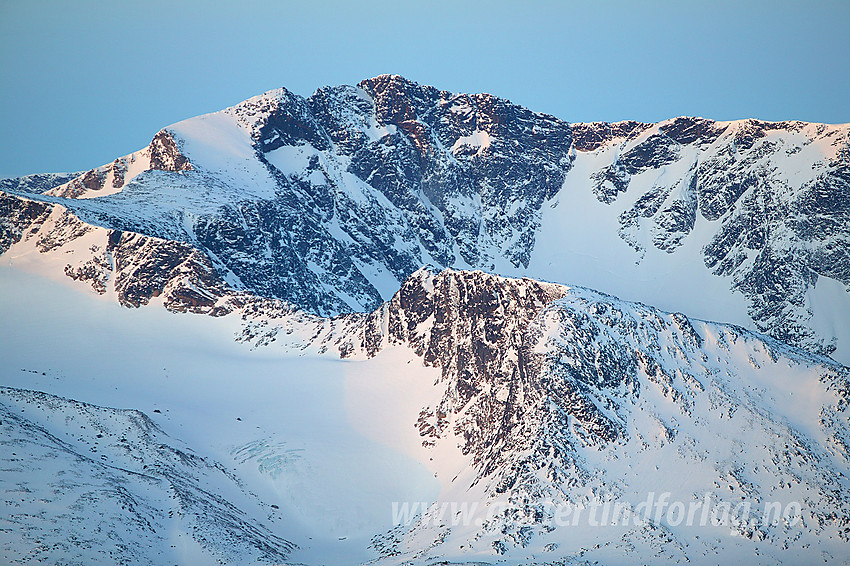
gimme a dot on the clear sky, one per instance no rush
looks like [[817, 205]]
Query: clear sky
[[86, 81]]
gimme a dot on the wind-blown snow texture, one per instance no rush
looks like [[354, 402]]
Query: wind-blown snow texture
[[86, 484], [330, 202]]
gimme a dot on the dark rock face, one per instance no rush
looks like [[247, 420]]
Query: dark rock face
[[687, 130], [481, 331], [140, 267], [777, 242], [654, 152], [18, 216], [146, 268], [266, 243], [165, 153], [449, 149], [822, 217], [677, 219], [592, 136]]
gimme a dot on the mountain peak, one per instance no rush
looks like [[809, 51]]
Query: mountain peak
[[391, 82]]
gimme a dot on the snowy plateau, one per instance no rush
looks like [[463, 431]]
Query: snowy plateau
[[388, 324]]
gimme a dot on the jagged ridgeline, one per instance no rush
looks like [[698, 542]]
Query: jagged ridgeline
[[329, 202]]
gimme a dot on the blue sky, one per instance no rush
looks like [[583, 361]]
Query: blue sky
[[86, 81]]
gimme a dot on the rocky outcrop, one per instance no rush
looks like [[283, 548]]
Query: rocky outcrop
[[18, 216], [562, 396], [165, 154], [136, 268], [38, 183]]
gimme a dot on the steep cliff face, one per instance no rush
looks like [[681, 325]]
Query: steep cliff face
[[329, 202], [135, 268], [754, 186], [561, 396], [472, 326]]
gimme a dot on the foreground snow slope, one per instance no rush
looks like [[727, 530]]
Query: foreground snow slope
[[329, 202], [100, 485], [247, 430]]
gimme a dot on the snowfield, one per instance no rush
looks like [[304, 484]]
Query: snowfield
[[283, 423]]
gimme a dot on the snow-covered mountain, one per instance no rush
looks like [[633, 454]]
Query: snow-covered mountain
[[329, 202], [561, 397], [488, 385]]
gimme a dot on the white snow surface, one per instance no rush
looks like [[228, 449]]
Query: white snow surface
[[290, 425]]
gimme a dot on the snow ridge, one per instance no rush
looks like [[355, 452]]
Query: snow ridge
[[114, 475]]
